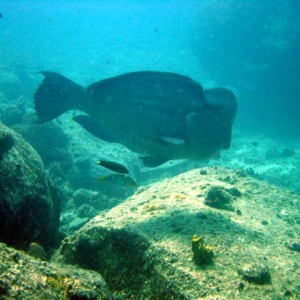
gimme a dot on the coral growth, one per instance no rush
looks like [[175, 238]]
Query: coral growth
[[218, 197], [29, 204], [256, 273], [37, 251], [202, 254]]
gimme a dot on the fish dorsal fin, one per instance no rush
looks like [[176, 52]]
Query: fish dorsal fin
[[93, 127]]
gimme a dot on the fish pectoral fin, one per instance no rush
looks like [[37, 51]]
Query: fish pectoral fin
[[153, 161], [201, 134], [197, 127], [173, 140], [93, 127]]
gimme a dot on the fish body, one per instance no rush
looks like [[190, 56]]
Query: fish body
[[113, 166], [119, 180], [159, 114]]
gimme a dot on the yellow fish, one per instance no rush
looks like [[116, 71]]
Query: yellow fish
[[118, 179]]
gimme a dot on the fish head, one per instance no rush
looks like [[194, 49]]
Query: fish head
[[223, 105], [209, 129]]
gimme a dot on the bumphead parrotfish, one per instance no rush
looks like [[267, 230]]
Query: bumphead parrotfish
[[156, 114]]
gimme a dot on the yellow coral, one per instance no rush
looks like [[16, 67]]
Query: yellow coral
[[202, 254], [152, 207], [179, 196]]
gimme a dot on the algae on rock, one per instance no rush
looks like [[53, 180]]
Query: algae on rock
[[29, 204], [142, 247], [202, 254]]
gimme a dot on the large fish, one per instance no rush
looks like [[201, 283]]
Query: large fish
[[158, 114]]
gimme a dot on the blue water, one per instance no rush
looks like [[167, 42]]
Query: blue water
[[250, 46], [102, 38]]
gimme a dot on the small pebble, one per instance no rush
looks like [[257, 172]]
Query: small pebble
[[287, 293], [3, 288], [235, 192], [294, 245], [241, 286], [256, 273]]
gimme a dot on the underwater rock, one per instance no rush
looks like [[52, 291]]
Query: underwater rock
[[13, 113], [256, 273], [126, 255], [285, 153], [6, 142], [218, 197], [142, 247], [25, 277], [11, 86], [29, 205], [84, 196], [37, 251], [87, 211], [276, 153], [95, 199], [294, 245], [51, 142]]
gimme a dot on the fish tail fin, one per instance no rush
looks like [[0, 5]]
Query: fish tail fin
[[56, 95]]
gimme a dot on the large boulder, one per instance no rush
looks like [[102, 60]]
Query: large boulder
[[27, 278], [212, 233], [29, 205]]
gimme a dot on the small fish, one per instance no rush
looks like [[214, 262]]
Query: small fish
[[118, 179], [113, 166], [1, 16]]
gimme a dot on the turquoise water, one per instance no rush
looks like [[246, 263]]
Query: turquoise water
[[249, 46]]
